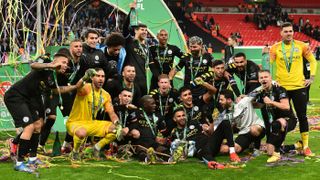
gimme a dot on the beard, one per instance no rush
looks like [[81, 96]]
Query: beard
[[195, 52], [129, 79], [98, 84], [182, 123], [240, 68]]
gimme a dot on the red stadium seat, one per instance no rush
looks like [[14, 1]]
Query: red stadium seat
[[220, 3], [314, 19], [299, 3], [251, 36]]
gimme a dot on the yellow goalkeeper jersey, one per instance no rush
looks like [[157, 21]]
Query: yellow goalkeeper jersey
[[88, 102], [289, 63]]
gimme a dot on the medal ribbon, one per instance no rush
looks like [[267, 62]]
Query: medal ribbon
[[288, 62]]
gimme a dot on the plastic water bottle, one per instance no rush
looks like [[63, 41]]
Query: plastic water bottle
[[56, 148], [133, 18]]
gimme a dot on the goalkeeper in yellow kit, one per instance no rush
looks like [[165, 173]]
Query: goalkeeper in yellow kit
[[82, 121], [288, 55]]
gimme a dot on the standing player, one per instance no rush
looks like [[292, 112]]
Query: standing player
[[246, 70], [163, 56], [288, 56], [91, 57], [229, 49], [115, 54], [127, 81], [138, 53], [196, 64], [24, 102], [52, 102]]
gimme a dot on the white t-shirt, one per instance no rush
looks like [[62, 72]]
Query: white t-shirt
[[243, 116]]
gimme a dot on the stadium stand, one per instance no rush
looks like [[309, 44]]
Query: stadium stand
[[221, 3], [299, 3], [250, 34]]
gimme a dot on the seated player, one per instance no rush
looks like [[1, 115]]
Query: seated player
[[166, 98], [145, 129], [125, 111], [244, 118], [185, 140]]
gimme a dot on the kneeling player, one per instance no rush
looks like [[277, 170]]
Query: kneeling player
[[145, 129], [277, 114], [82, 120]]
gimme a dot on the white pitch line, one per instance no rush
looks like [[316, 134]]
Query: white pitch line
[[315, 99]]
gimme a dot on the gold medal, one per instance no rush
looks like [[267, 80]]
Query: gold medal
[[61, 107]]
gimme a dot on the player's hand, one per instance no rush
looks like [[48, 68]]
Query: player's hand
[[172, 73], [198, 81], [205, 127], [227, 75], [125, 131], [89, 74], [131, 106], [55, 65], [308, 82], [133, 4], [283, 123], [59, 65], [267, 101], [135, 134], [161, 140], [80, 83]]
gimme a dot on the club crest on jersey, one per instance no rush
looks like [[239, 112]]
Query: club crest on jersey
[[205, 61], [25, 119], [156, 119], [42, 85], [272, 98], [169, 51], [48, 110]]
